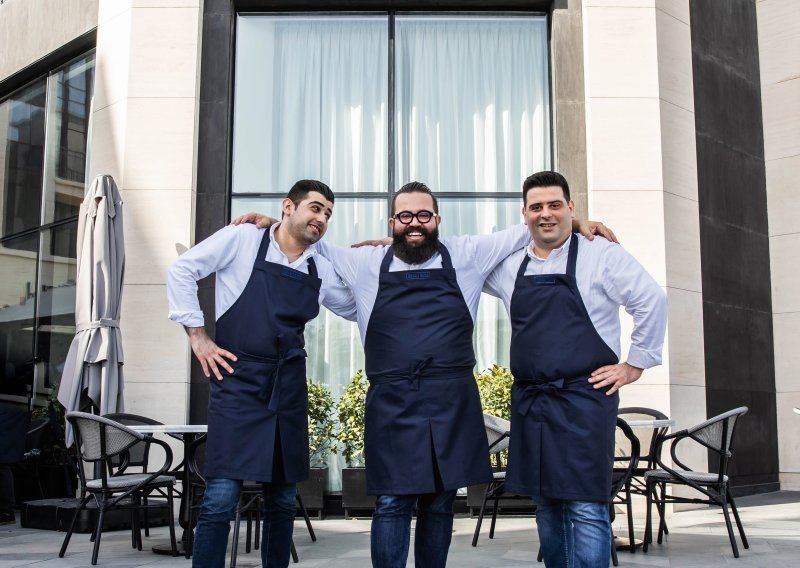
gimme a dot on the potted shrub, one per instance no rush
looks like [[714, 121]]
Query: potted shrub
[[494, 387], [350, 436], [321, 421]]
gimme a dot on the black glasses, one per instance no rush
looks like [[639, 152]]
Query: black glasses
[[423, 216]]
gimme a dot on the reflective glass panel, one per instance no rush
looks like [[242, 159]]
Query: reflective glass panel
[[22, 133], [310, 101], [56, 313], [69, 113], [17, 303], [472, 101]]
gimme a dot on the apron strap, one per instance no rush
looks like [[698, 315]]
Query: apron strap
[[523, 266], [573, 255], [261, 256], [312, 267]]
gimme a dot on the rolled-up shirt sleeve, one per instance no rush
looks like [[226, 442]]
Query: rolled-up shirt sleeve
[[211, 255], [628, 283]]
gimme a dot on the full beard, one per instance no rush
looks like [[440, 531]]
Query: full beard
[[418, 253]]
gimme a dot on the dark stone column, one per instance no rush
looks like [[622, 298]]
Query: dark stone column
[[734, 242]]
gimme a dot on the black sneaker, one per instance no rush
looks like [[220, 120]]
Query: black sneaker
[[7, 518]]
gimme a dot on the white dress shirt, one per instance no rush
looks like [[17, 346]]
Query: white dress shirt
[[231, 253], [608, 277], [473, 256]]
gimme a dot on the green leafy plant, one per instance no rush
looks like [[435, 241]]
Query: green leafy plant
[[321, 422], [350, 412], [494, 386]]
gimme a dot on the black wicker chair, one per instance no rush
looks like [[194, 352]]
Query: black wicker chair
[[626, 461], [498, 432], [99, 440], [715, 434]]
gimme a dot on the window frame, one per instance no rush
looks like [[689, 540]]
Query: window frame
[[391, 15]]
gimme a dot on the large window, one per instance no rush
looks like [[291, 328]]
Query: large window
[[43, 143], [368, 103]]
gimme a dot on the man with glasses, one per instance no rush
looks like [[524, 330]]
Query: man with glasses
[[563, 294], [424, 437]]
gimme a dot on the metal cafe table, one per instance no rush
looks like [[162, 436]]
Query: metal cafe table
[[187, 433]]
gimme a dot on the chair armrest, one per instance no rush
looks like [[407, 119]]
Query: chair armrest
[[151, 477]]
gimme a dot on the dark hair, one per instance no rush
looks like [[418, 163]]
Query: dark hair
[[544, 179], [302, 188], [415, 187]]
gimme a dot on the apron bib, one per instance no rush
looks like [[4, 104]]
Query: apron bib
[[424, 427]]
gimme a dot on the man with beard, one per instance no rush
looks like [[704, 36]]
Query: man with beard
[[258, 404], [563, 294], [424, 437]]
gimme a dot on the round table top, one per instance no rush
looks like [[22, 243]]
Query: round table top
[[651, 423], [171, 428]]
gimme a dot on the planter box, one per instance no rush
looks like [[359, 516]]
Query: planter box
[[509, 502], [312, 491], [354, 491]]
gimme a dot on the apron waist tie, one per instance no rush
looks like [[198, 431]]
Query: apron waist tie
[[531, 389], [290, 355], [420, 370]]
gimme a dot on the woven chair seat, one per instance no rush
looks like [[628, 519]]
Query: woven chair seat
[[696, 476], [122, 482]]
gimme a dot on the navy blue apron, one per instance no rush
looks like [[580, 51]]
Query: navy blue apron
[[258, 416], [562, 429], [424, 427]]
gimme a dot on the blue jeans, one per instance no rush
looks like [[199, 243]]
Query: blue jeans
[[573, 534], [219, 507], [391, 529]]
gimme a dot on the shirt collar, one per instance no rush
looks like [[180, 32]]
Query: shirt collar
[[310, 251], [555, 253]]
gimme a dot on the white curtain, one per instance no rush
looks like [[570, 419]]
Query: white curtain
[[472, 101], [310, 101]]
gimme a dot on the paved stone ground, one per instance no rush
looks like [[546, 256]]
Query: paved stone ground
[[697, 539]]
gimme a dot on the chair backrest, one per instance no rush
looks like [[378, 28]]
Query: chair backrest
[[14, 423], [716, 433], [138, 454], [626, 456], [100, 438], [647, 436], [497, 432]]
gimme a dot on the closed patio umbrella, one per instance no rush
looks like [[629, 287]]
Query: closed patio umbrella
[[94, 363]]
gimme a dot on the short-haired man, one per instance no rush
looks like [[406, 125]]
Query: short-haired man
[[269, 284], [563, 294], [424, 437]]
